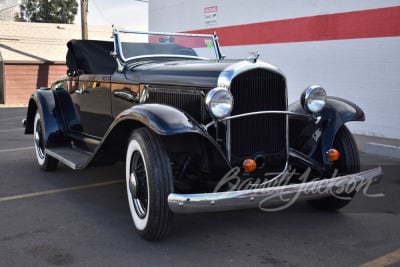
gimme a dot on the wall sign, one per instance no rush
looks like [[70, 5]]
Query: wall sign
[[210, 15]]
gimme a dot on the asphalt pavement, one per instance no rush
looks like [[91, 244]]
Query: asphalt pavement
[[71, 218]]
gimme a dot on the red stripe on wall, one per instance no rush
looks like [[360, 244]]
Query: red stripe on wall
[[382, 22]]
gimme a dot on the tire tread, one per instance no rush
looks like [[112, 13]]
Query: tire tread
[[162, 170], [345, 143]]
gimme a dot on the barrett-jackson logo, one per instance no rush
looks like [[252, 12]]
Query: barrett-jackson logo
[[278, 185]]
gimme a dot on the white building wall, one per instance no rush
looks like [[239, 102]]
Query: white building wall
[[8, 9], [364, 70], [189, 15]]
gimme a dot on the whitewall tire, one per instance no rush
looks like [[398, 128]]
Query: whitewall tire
[[45, 162], [148, 183]]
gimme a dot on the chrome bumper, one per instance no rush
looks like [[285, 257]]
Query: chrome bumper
[[271, 196]]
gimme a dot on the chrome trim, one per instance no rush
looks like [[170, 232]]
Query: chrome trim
[[117, 51], [145, 95], [218, 51], [228, 141], [167, 33], [270, 196], [226, 76], [266, 112], [307, 93], [306, 116], [165, 56], [206, 126], [224, 80], [209, 97], [253, 56], [121, 59], [120, 65]]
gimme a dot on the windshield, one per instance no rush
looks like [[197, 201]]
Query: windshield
[[132, 45]]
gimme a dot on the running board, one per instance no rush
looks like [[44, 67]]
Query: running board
[[72, 157]]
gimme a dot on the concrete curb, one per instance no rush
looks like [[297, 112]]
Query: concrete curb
[[382, 150], [378, 146], [14, 106]]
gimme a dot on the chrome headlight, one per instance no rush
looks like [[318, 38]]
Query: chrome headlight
[[219, 102], [313, 99]]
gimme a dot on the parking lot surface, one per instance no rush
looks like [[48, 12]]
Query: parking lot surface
[[70, 218]]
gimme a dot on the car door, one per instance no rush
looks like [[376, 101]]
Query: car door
[[92, 100]]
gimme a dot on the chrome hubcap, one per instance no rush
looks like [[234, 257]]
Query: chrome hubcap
[[38, 139], [132, 185]]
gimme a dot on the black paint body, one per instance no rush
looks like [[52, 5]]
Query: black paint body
[[96, 113]]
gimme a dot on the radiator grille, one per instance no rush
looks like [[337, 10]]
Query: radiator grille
[[258, 90]]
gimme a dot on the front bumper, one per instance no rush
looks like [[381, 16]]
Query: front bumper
[[279, 196]]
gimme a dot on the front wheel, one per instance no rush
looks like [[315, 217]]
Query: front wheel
[[348, 163], [148, 183], [45, 161]]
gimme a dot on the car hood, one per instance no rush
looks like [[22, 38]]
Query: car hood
[[199, 73]]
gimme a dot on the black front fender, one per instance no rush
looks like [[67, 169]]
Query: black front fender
[[346, 110], [175, 126], [339, 111], [336, 113], [162, 119]]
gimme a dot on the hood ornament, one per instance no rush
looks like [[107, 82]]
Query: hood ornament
[[253, 56]]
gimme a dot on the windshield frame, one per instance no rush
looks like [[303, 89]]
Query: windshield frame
[[122, 60]]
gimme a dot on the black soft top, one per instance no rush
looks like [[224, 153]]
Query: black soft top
[[93, 57], [90, 57]]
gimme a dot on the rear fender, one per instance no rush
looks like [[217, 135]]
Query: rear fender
[[43, 100], [64, 104]]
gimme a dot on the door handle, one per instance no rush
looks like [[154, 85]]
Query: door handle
[[82, 91]]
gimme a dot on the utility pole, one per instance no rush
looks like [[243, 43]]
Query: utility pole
[[84, 10]]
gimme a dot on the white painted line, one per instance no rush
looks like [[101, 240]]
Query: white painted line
[[385, 260], [10, 130], [54, 191], [9, 119], [16, 149], [382, 150]]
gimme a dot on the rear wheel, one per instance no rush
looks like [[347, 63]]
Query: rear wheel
[[148, 183], [45, 161], [348, 163]]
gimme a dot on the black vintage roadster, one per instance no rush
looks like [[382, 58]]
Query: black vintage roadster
[[198, 132]]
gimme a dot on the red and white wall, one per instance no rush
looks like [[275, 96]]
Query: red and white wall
[[350, 47]]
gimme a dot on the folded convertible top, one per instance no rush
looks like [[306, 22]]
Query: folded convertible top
[[94, 57], [90, 57]]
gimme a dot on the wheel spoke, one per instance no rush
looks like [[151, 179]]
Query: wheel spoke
[[141, 195], [146, 189]]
